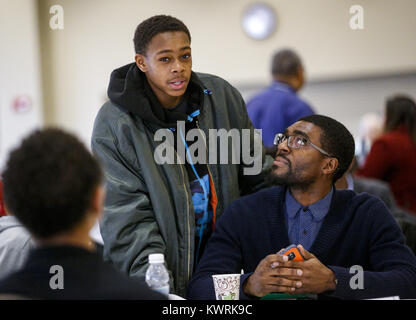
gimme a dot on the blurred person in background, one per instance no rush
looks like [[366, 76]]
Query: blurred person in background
[[278, 106], [53, 185], [15, 241], [392, 157], [2, 210], [372, 186], [381, 189], [15, 245], [370, 128]]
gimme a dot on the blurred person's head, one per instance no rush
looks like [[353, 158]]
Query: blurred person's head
[[53, 185], [2, 209], [319, 153], [163, 52], [370, 127], [401, 110], [287, 67], [342, 182]]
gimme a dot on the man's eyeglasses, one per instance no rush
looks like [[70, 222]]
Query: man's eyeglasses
[[297, 141]]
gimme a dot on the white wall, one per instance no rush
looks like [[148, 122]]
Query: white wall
[[348, 99], [97, 38], [19, 71]]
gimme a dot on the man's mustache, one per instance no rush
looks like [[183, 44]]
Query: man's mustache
[[283, 157]]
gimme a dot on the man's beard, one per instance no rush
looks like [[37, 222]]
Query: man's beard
[[292, 178]]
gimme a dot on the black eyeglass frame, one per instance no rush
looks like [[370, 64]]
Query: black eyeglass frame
[[281, 137]]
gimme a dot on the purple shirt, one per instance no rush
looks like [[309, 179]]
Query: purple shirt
[[275, 109]]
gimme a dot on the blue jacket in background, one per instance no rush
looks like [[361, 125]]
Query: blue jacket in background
[[275, 109], [358, 230]]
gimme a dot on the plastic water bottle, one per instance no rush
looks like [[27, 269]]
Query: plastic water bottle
[[157, 276]]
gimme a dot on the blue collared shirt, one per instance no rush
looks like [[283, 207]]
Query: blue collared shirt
[[275, 109], [303, 223]]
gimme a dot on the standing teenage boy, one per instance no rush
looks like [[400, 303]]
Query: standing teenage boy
[[158, 207]]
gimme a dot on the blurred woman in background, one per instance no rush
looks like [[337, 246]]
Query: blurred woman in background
[[392, 157], [2, 209]]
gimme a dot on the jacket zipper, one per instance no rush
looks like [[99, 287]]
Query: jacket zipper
[[206, 148], [188, 220]]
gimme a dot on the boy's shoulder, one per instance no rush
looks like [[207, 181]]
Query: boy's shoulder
[[212, 81]]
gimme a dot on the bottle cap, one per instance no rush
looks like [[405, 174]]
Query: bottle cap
[[156, 258]]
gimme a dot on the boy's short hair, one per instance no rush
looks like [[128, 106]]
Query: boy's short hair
[[152, 26], [49, 181]]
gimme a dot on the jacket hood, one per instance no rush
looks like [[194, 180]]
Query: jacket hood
[[130, 90], [8, 222]]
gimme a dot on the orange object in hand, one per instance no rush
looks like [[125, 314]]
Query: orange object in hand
[[293, 253]]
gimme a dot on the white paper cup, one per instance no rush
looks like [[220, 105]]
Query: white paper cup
[[227, 286]]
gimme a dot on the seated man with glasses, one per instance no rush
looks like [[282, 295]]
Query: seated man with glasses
[[352, 248]]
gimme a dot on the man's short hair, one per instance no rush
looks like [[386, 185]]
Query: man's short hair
[[286, 63], [152, 26], [336, 140], [49, 182]]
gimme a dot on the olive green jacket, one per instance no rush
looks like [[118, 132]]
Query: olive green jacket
[[148, 207]]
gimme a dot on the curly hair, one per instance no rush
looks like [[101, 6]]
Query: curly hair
[[336, 140], [49, 181], [152, 26]]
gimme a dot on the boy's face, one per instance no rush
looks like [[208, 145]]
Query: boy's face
[[167, 66]]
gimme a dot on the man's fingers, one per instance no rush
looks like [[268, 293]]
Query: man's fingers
[[279, 258], [283, 282], [279, 289], [286, 272], [283, 285], [306, 254], [285, 263], [274, 260]]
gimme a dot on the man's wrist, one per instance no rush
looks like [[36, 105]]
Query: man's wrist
[[246, 287], [332, 281]]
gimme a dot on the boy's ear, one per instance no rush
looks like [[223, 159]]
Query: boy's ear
[[140, 62]]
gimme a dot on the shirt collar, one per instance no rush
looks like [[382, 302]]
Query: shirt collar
[[282, 86], [292, 206], [318, 209]]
